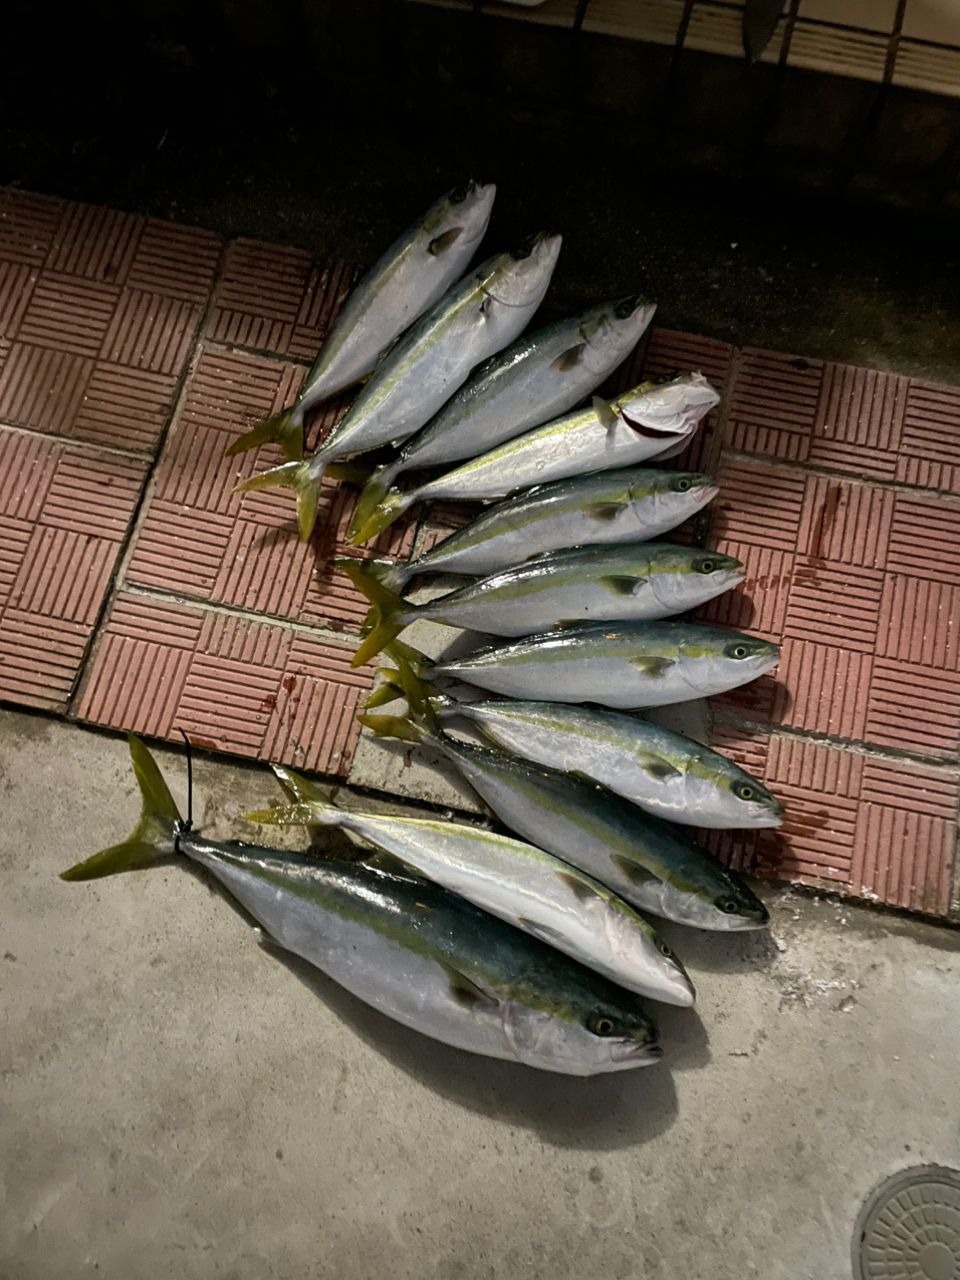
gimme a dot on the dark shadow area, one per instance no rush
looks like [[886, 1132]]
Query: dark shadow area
[[624, 1108], [709, 183]]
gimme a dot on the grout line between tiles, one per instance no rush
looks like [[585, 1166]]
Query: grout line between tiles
[[118, 451], [343, 640], [852, 477], [856, 746], [146, 489]]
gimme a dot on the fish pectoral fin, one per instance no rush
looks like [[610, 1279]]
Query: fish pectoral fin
[[391, 865], [578, 887], [569, 359], [634, 871], [623, 584], [439, 244], [603, 411], [605, 512], [466, 992], [656, 766], [541, 931], [651, 666]]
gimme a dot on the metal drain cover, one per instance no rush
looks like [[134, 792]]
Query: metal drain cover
[[910, 1227]]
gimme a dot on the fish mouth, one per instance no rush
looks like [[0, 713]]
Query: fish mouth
[[635, 1051]]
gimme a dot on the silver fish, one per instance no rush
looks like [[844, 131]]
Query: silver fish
[[632, 504], [416, 952], [407, 280], [620, 664], [538, 378], [658, 770], [515, 881], [644, 580], [640, 424], [474, 319], [648, 862]]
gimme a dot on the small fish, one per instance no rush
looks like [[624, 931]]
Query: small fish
[[648, 862], [662, 772], [411, 949], [412, 275], [642, 423], [515, 881], [473, 320], [644, 580], [624, 665], [538, 378], [632, 504]]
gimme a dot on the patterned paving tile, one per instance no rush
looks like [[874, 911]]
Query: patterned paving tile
[[98, 310], [231, 683], [64, 514]]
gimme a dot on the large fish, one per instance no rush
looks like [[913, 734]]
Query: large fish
[[615, 664], [638, 425], [412, 275], [411, 949], [654, 866], [640, 581], [541, 376], [515, 881], [473, 320], [633, 504], [661, 771]]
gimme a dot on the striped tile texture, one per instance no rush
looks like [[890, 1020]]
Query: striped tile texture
[[138, 591]]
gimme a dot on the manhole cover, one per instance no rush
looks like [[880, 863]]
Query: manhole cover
[[910, 1227]]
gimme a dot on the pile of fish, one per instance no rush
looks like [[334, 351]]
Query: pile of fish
[[535, 949]]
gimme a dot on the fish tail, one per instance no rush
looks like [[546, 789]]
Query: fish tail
[[401, 727], [389, 508], [390, 611], [284, 428], [423, 706], [153, 838], [374, 491], [304, 477], [388, 690]]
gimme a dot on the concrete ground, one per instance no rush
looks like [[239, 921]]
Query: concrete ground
[[176, 1101]]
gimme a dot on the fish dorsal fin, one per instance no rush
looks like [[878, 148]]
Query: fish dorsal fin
[[569, 359], [605, 512], [603, 411], [439, 244], [651, 666], [623, 584], [466, 992]]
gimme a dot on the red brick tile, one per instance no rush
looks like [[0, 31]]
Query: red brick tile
[[260, 296], [127, 408], [200, 539], [326, 293], [913, 708], [759, 605], [43, 388], [95, 243], [834, 604], [174, 261], [823, 688], [924, 538], [931, 433], [772, 406], [63, 515], [859, 421], [920, 622], [16, 286], [68, 314], [759, 504], [846, 521], [150, 331], [28, 223], [233, 684]]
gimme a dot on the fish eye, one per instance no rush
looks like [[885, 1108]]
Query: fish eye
[[745, 791], [706, 566], [737, 651], [729, 906], [626, 307], [681, 485], [665, 951], [602, 1026]]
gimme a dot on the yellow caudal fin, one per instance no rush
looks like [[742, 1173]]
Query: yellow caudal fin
[[304, 478], [284, 428]]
